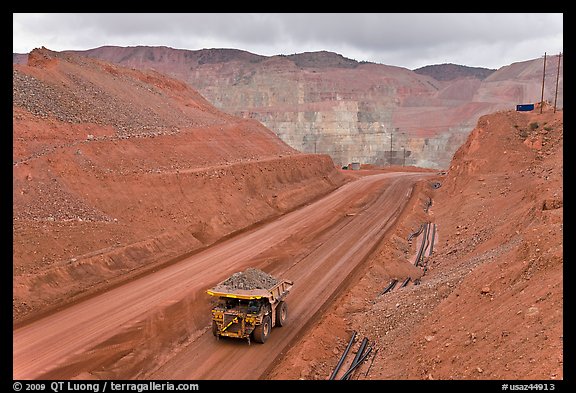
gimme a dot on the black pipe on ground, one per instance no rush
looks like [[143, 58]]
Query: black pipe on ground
[[389, 287], [421, 250], [354, 366], [337, 368], [418, 232], [426, 239], [358, 355], [405, 282], [433, 235]]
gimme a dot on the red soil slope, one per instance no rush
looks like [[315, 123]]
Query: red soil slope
[[490, 303], [117, 171]]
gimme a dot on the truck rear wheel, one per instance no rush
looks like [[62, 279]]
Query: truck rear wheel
[[281, 314], [262, 331]]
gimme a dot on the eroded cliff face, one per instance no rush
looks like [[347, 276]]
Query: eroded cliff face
[[321, 102]]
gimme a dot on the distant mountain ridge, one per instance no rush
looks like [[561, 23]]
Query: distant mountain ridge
[[449, 71], [323, 102], [323, 59]]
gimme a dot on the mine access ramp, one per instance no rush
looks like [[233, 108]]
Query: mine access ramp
[[249, 305]]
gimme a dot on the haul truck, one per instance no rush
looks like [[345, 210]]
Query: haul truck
[[243, 313]]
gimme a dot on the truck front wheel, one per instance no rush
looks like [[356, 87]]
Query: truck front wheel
[[262, 331], [281, 314], [215, 328]]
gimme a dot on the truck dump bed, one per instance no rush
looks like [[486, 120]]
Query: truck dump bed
[[277, 292]]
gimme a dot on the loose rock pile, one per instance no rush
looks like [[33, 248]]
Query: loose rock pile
[[83, 91], [251, 278]]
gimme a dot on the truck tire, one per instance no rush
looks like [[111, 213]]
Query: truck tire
[[262, 331], [281, 314], [214, 328]]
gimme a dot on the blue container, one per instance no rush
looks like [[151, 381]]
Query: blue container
[[525, 107]]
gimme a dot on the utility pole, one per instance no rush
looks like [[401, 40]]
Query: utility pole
[[557, 77], [391, 142], [543, 77], [391, 135], [404, 157], [404, 139]]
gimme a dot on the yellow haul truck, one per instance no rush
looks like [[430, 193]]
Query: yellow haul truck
[[245, 313]]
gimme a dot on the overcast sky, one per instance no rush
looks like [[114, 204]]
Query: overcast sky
[[404, 40]]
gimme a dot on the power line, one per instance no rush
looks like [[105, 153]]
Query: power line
[[543, 78], [557, 77]]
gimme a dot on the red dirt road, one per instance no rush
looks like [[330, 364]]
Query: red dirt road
[[317, 247]]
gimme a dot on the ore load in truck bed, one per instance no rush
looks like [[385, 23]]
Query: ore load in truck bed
[[249, 279]]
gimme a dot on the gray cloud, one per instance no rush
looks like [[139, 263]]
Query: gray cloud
[[405, 40]]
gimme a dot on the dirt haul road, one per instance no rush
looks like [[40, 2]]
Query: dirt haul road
[[317, 246]]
